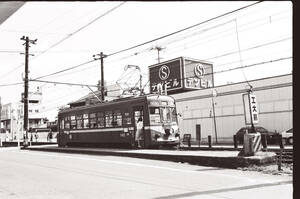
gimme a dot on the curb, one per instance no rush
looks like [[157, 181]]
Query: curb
[[231, 162]]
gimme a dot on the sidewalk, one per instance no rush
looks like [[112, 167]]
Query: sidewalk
[[216, 158]]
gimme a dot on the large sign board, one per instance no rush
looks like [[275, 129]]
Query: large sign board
[[180, 74], [197, 74], [166, 75]]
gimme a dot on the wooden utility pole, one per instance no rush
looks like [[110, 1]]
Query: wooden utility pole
[[158, 48], [25, 98], [101, 56]]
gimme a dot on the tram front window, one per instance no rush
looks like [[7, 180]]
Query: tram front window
[[154, 115], [162, 114]]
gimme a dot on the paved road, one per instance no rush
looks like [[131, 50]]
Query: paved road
[[39, 175]]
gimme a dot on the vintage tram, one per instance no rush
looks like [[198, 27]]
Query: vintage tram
[[114, 123]]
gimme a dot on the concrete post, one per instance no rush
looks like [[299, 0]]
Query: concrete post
[[209, 141]]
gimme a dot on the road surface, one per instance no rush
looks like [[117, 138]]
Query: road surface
[[39, 175]]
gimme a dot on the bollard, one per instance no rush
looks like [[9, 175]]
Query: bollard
[[235, 142], [280, 141], [0, 142], [189, 142], [281, 150], [264, 142], [209, 141], [279, 159]]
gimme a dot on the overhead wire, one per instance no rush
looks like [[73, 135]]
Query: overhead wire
[[73, 33], [198, 43], [227, 70], [173, 33], [211, 19]]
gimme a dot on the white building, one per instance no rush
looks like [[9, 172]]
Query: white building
[[12, 116], [275, 106]]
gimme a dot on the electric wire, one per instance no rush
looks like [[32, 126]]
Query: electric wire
[[71, 34], [227, 70], [176, 32], [162, 36]]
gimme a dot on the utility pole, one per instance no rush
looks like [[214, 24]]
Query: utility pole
[[25, 99], [214, 94], [158, 48], [101, 56]]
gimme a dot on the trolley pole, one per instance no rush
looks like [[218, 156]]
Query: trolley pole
[[101, 56], [25, 98]]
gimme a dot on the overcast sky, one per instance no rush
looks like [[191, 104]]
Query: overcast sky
[[70, 33]]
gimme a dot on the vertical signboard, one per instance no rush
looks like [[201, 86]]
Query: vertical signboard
[[167, 74], [250, 108], [253, 108]]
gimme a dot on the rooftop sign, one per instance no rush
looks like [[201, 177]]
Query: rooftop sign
[[180, 74]]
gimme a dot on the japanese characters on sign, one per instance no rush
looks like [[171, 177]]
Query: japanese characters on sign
[[180, 74], [253, 108], [197, 74], [166, 75]]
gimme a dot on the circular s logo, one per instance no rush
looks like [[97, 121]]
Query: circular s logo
[[199, 70], [164, 72]]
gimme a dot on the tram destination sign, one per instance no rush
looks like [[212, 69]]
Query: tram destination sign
[[180, 75]]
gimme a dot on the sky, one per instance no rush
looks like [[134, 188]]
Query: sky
[[259, 38]]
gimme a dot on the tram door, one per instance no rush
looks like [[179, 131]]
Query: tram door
[[139, 125]]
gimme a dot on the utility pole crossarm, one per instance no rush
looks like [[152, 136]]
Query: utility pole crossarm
[[101, 57]]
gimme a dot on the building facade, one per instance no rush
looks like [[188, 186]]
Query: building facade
[[275, 106], [12, 116]]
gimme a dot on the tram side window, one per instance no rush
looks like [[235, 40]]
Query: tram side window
[[79, 121], [62, 124], [117, 120], [67, 122], [86, 121], [126, 118], [108, 119], [100, 120], [93, 122], [73, 122]]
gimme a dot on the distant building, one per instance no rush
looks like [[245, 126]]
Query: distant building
[[12, 116]]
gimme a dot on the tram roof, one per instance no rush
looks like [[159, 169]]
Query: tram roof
[[117, 101]]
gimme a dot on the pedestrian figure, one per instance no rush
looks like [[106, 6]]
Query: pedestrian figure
[[139, 131], [49, 137], [36, 136]]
